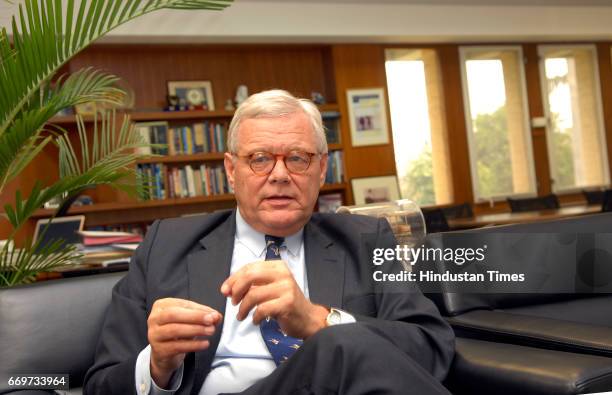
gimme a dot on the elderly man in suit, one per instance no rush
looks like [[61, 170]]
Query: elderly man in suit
[[269, 298]]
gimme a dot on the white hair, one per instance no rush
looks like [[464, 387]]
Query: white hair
[[276, 103]]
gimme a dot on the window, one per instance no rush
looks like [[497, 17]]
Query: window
[[419, 125], [499, 138], [574, 133]]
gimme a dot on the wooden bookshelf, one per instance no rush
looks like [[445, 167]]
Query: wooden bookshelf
[[300, 69], [113, 213], [158, 115], [339, 187], [120, 206], [183, 158]]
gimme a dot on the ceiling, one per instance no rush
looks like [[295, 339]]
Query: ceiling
[[551, 3]]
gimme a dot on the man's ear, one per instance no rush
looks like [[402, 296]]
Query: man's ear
[[228, 162], [323, 166]]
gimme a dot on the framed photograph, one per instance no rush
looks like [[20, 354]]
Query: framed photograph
[[329, 202], [367, 116], [375, 189], [198, 94], [85, 109]]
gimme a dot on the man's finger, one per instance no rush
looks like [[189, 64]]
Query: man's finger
[[177, 302], [255, 296], [182, 347], [244, 282], [180, 332], [228, 284], [185, 316], [271, 308]]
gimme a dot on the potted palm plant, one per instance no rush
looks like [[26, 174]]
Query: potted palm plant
[[45, 36]]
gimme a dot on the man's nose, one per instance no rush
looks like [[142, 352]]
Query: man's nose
[[279, 172]]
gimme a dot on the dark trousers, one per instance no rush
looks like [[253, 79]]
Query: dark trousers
[[348, 359]]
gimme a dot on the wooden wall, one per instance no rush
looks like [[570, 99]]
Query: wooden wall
[[363, 66], [301, 69]]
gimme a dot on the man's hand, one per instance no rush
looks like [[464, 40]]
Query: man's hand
[[176, 327], [269, 287]]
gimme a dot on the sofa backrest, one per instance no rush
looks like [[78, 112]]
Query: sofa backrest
[[569, 245], [53, 326]]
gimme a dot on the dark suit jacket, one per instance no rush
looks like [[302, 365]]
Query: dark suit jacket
[[190, 257]]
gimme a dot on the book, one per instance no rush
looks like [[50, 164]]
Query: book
[[160, 131], [331, 120], [103, 233], [145, 137], [190, 180], [198, 130], [98, 241], [171, 141]]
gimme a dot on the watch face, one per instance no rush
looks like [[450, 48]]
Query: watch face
[[195, 96], [334, 317]]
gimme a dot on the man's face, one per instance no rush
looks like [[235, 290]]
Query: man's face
[[281, 202]]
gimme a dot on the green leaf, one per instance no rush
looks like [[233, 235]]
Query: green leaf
[[36, 34], [43, 40]]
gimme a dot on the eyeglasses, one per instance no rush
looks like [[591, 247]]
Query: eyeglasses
[[262, 163]]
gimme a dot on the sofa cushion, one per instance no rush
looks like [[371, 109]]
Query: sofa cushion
[[535, 331], [482, 367], [53, 326], [562, 260], [587, 311]]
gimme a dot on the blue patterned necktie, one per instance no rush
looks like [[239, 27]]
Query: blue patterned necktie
[[280, 345]]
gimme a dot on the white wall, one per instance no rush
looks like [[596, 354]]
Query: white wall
[[292, 21]]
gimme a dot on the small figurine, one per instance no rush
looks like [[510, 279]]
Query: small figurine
[[242, 93], [229, 105], [173, 100], [317, 98]]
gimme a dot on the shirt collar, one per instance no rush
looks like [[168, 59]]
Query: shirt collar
[[256, 241]]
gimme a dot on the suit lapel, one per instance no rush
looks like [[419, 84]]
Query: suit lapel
[[209, 265], [324, 267]]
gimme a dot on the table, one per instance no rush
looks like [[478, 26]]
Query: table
[[525, 217]]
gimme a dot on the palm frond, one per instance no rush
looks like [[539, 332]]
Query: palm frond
[[21, 265], [107, 160], [44, 40], [20, 144], [45, 35]]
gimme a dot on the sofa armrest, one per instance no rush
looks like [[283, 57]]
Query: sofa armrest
[[533, 331], [482, 367]]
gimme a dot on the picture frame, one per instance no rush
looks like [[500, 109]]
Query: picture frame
[[86, 109], [197, 94], [367, 116], [375, 189]]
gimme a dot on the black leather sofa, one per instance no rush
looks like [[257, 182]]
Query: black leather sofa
[[535, 342], [508, 344]]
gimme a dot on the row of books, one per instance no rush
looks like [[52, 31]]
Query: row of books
[[335, 170], [180, 182], [201, 137]]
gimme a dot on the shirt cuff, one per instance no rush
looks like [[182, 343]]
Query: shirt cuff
[[145, 384]]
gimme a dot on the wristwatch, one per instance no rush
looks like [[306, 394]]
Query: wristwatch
[[337, 316]]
